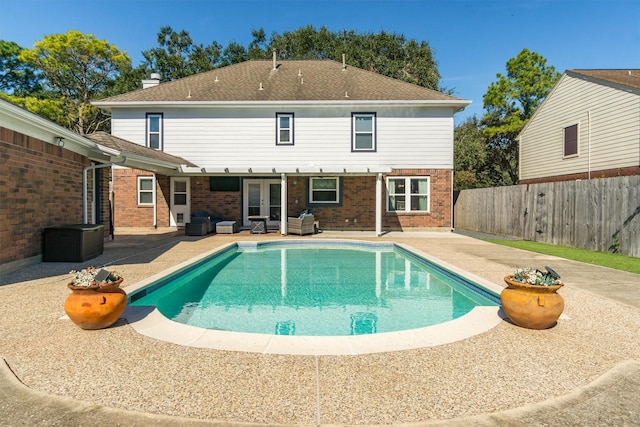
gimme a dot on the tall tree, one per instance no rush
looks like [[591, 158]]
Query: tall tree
[[177, 56], [78, 68], [17, 78], [509, 103], [469, 155]]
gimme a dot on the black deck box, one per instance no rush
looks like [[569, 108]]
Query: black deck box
[[73, 243]]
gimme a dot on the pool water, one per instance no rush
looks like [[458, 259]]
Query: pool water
[[313, 289]]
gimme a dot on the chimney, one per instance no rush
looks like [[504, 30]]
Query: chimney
[[154, 80]]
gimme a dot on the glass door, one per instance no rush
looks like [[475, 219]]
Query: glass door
[[180, 202], [262, 197]]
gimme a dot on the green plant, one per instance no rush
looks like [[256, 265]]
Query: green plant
[[533, 276]]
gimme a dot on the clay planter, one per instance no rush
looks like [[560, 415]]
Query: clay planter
[[532, 306], [95, 307]]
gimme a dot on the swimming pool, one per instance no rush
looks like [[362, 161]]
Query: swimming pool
[[313, 289]]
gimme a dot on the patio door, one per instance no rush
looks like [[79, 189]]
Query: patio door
[[180, 201], [262, 197]]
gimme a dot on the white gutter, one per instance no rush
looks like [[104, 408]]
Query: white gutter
[[589, 144]]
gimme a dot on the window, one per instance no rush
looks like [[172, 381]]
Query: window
[[154, 131], [284, 128], [363, 127], [145, 190], [571, 141], [324, 190], [408, 194]]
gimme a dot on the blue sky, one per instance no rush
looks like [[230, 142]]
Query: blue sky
[[472, 39]]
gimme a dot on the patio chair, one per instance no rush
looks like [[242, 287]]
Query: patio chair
[[301, 226]]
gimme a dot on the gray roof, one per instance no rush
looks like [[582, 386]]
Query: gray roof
[[627, 77], [131, 148], [296, 80]]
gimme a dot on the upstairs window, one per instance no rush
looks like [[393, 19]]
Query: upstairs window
[[408, 194], [145, 190], [154, 131], [284, 129], [324, 190], [571, 141], [363, 136]]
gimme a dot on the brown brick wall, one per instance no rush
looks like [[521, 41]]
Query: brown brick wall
[[359, 195], [607, 173], [40, 186]]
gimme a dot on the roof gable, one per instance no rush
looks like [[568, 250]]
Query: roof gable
[[296, 80], [626, 77]]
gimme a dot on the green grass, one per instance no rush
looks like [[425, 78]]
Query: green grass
[[619, 262]]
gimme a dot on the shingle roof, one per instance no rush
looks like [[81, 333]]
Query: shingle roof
[[296, 80], [128, 148], [627, 77]]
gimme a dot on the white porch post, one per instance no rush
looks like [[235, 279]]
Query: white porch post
[[283, 204], [379, 205]]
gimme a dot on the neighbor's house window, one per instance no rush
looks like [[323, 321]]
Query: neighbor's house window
[[154, 131], [324, 190], [284, 128], [408, 194], [145, 190], [571, 141], [363, 127]]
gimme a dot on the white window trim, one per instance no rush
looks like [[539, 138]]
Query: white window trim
[[354, 133], [160, 131], [407, 193], [152, 191], [278, 128], [337, 190]]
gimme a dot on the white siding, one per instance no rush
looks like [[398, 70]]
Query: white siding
[[612, 130], [242, 138]]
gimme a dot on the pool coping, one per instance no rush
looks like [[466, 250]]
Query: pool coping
[[148, 321]]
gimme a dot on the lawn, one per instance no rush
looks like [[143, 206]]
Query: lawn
[[619, 262]]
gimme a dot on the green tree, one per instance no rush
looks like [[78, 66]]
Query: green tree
[[469, 155], [77, 68], [509, 103], [17, 78], [177, 56]]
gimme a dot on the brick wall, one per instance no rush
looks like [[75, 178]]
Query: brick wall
[[40, 186], [358, 211], [607, 173]]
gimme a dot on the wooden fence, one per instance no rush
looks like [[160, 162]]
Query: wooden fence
[[599, 214]]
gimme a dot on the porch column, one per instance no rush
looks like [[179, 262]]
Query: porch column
[[283, 204], [379, 205]]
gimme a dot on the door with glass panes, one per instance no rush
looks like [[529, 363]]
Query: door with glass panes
[[261, 197], [180, 202]]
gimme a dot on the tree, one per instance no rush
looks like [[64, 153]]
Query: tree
[[510, 102], [17, 78], [77, 68], [469, 154], [177, 56]]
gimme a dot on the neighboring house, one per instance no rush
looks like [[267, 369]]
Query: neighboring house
[[587, 127], [363, 151], [44, 167]]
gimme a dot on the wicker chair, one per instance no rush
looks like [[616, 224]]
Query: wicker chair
[[300, 226]]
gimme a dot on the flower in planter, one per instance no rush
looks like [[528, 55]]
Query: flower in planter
[[91, 275], [533, 276]]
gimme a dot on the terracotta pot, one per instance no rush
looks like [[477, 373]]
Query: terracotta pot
[[531, 306], [96, 307]]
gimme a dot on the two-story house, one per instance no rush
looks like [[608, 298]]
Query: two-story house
[[587, 127], [272, 138]]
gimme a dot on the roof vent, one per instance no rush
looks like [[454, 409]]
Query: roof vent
[[155, 76], [261, 88], [344, 62], [275, 66]]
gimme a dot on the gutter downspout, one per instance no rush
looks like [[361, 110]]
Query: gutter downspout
[[589, 144], [155, 205], [84, 183]]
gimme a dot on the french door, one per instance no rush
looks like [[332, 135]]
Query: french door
[[262, 197]]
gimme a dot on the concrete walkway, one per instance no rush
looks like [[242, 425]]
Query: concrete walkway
[[606, 347]]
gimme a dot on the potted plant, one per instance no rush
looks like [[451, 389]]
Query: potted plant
[[531, 299], [96, 300]]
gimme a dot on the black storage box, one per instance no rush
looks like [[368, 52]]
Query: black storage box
[[73, 243]]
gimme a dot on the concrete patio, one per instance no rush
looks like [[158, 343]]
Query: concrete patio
[[583, 371]]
